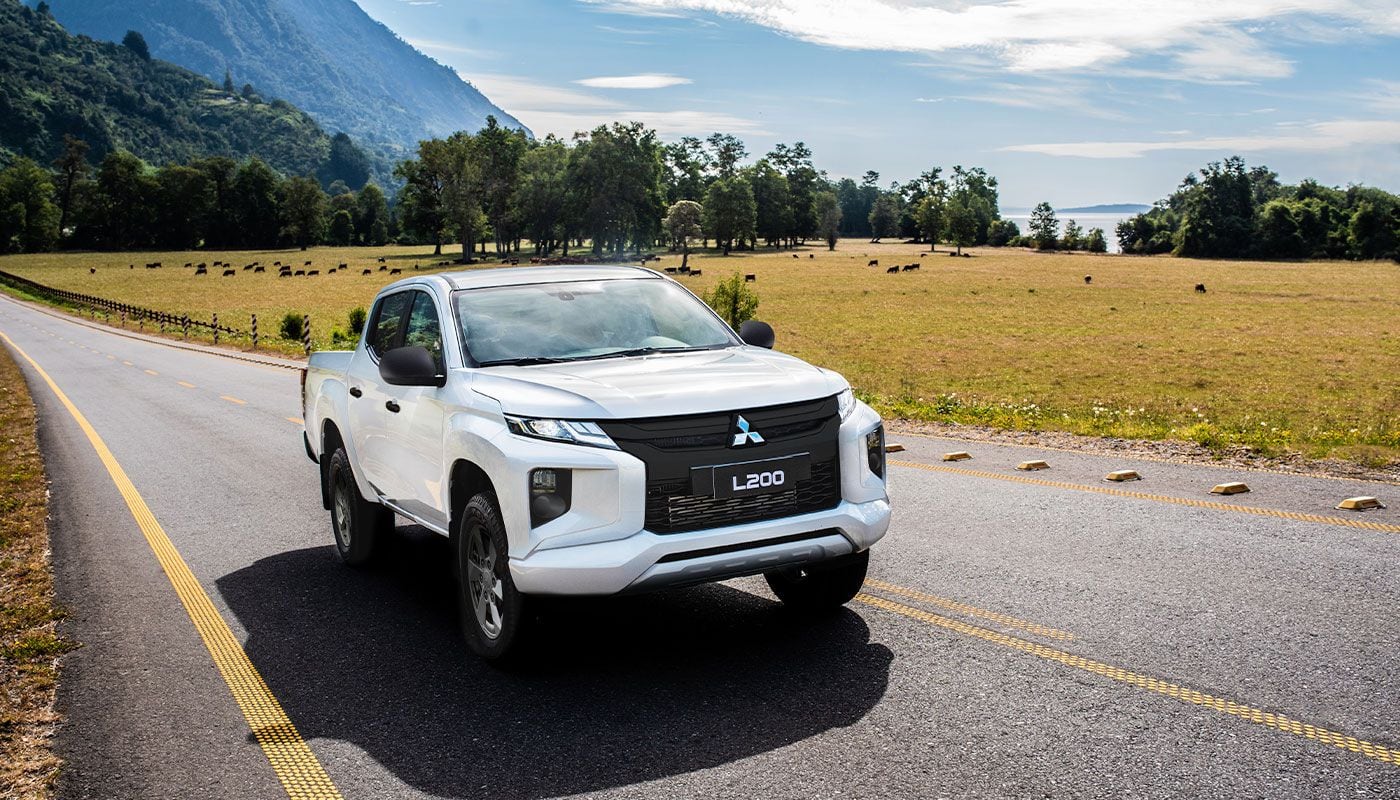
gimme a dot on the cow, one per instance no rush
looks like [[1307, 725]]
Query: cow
[[395, 271], [695, 273], [1088, 279], [230, 272], [750, 278], [367, 272], [891, 270], [874, 262], [383, 268], [299, 272], [670, 270], [1200, 288], [259, 268], [92, 270], [311, 272], [284, 274], [201, 270]]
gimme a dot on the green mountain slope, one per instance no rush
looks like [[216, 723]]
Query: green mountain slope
[[53, 83], [327, 56]]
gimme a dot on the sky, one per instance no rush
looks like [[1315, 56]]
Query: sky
[[1075, 102]]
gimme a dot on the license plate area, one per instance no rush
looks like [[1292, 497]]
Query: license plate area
[[765, 476]]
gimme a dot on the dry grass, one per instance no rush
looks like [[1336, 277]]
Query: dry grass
[[1276, 356], [29, 644]]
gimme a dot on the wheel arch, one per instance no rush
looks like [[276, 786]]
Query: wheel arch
[[331, 440], [467, 479]]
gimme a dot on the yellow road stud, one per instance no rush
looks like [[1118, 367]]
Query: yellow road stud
[[1032, 465], [894, 447], [1123, 475], [960, 455], [1230, 488], [1359, 503]]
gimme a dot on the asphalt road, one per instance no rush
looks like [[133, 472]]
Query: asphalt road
[[1023, 635]]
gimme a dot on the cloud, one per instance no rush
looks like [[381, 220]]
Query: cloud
[[647, 81], [1217, 40], [1334, 135]]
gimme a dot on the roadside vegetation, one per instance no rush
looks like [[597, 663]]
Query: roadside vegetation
[[29, 642], [1273, 356]]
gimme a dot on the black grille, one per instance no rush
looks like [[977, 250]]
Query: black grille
[[671, 446]]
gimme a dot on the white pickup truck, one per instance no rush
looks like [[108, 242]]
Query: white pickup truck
[[591, 431]]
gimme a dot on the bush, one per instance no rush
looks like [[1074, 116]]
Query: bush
[[733, 300], [293, 325], [357, 320]]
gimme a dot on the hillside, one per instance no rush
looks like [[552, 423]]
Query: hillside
[[55, 83], [326, 56]]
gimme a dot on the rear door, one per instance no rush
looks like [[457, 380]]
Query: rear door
[[370, 416]]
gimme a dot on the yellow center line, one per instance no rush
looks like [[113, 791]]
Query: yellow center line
[[972, 611], [186, 385], [1251, 714], [1159, 498], [114, 358], [233, 400], [128, 363], [151, 372], [296, 766], [296, 420]]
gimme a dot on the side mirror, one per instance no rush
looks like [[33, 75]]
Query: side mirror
[[758, 334], [410, 366]]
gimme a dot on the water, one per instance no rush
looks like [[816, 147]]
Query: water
[[1086, 221]]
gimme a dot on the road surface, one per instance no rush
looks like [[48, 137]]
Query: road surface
[[1024, 634]]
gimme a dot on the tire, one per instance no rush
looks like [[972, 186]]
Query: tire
[[492, 612], [357, 525], [820, 586]]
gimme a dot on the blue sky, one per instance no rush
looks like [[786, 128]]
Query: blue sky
[[1071, 101]]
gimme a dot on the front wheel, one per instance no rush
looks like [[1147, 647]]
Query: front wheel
[[492, 611], [820, 586], [358, 524]]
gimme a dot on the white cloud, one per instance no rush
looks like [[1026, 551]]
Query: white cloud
[[1207, 39], [646, 81], [514, 92], [1335, 135]]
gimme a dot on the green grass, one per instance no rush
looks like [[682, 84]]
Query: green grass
[[1287, 356]]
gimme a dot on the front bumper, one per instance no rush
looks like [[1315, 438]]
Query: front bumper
[[647, 561]]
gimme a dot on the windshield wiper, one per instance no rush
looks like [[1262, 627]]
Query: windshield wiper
[[646, 351], [522, 362]]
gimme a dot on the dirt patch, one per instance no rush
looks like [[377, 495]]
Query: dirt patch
[[29, 642], [1156, 450]]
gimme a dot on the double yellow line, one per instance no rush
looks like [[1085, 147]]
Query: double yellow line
[[298, 769]]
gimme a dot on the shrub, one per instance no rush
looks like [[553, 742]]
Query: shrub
[[293, 324], [733, 300], [357, 320]]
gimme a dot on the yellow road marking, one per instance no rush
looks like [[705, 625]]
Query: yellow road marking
[[233, 400], [128, 363], [186, 385], [151, 372], [296, 420], [114, 358], [973, 611], [1257, 716], [301, 774], [1160, 498]]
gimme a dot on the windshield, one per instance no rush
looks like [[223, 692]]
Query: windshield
[[549, 322]]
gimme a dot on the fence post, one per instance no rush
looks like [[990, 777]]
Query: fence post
[[123, 318], [306, 334], [216, 330], [185, 326], [255, 331]]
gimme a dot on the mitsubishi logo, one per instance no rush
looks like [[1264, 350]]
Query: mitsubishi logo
[[742, 434]]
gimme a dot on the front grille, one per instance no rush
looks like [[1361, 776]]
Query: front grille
[[671, 446], [671, 508]]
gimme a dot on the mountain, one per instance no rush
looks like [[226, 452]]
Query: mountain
[[53, 83], [1106, 208], [328, 57]]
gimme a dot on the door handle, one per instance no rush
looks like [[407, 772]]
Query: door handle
[[392, 406], [355, 391]]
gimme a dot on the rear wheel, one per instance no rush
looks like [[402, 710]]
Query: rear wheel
[[820, 586], [492, 611], [358, 524]]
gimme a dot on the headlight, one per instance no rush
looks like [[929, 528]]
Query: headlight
[[561, 430], [846, 403]]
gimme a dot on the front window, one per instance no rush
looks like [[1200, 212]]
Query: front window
[[549, 322]]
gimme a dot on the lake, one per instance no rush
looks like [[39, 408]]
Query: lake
[[1086, 221]]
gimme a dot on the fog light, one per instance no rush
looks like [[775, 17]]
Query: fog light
[[875, 450], [550, 491]]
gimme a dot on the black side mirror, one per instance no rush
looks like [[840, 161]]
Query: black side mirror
[[410, 366], [758, 334]]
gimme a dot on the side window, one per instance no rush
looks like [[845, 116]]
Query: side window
[[424, 328], [386, 329]]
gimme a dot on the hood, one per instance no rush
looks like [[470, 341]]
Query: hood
[[661, 385]]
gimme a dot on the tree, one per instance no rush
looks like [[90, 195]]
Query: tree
[[1218, 213], [28, 217], [303, 211], [976, 190], [1372, 231], [930, 217], [682, 223], [828, 212], [183, 203], [462, 190], [726, 151], [541, 195], [795, 162], [221, 220], [1044, 227], [72, 168], [729, 211], [615, 186], [1096, 242], [1003, 232], [1276, 233], [256, 211], [228, 82], [884, 217], [120, 211], [772, 200], [136, 43], [497, 153], [342, 228], [371, 212], [686, 165], [962, 222], [1073, 236], [346, 162], [733, 300], [423, 199]]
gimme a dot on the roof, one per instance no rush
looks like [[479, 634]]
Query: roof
[[510, 276]]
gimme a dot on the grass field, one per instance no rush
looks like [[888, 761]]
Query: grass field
[[1275, 356]]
